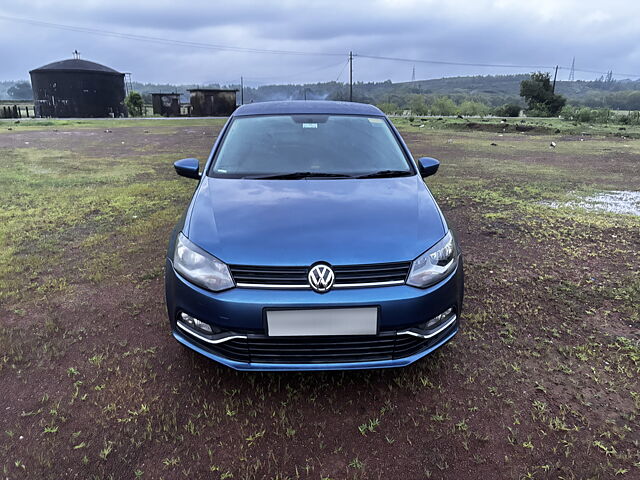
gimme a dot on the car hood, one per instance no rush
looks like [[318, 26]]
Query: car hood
[[300, 222]]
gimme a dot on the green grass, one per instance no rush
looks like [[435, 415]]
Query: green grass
[[56, 202], [494, 124]]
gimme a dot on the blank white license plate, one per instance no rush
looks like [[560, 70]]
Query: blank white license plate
[[326, 321]]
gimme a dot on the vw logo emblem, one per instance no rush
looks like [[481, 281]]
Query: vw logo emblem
[[321, 278]]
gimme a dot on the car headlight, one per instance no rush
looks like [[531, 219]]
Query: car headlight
[[435, 264], [199, 267]]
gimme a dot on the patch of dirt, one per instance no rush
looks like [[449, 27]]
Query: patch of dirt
[[118, 142]]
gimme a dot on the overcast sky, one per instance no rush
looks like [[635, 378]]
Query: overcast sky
[[601, 36]]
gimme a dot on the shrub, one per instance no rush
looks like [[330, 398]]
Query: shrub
[[469, 107], [591, 115], [508, 110], [134, 104], [443, 106], [388, 108], [584, 115], [417, 105], [568, 112]]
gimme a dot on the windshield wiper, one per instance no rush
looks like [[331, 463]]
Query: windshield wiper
[[297, 175], [385, 173]]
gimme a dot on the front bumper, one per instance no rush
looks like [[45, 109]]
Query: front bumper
[[241, 312]]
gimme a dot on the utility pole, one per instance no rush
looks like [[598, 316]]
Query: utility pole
[[351, 76], [553, 89], [241, 90]]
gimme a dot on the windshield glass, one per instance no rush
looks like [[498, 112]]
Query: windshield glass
[[329, 145]]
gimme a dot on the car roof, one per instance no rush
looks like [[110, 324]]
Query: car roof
[[312, 107]]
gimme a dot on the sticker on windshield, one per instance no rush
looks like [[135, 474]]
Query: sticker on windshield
[[309, 125], [375, 120]]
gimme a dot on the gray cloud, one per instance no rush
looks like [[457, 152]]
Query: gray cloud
[[601, 36]]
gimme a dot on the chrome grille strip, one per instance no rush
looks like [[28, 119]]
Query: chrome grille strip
[[295, 277], [307, 287], [219, 339], [440, 329]]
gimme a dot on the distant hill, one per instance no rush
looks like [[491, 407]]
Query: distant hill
[[510, 85], [499, 89]]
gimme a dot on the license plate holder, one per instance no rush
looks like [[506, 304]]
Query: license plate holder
[[322, 322]]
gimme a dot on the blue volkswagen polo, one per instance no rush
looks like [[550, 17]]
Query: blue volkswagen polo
[[312, 243]]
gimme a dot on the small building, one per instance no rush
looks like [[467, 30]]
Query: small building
[[212, 102], [78, 88], [166, 104]]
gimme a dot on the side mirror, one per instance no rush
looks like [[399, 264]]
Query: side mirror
[[428, 166], [188, 167]]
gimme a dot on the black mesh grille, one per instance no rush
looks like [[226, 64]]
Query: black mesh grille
[[333, 349], [345, 275]]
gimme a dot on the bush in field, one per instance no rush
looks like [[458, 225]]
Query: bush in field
[[417, 104], [508, 110], [134, 104], [601, 115], [389, 108], [587, 115], [632, 118], [593, 115], [443, 106], [539, 95], [569, 112], [471, 108]]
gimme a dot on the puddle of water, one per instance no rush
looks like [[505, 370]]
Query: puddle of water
[[615, 201]]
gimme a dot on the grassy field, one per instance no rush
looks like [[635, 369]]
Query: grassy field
[[533, 125], [541, 383]]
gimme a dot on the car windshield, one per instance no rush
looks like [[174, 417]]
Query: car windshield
[[304, 146]]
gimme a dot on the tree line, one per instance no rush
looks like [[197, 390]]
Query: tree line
[[500, 95]]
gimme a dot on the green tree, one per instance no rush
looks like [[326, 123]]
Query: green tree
[[134, 104], [443, 106], [417, 105], [20, 91], [472, 108], [538, 93], [388, 108]]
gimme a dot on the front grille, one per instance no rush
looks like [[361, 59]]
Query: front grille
[[331, 349], [296, 277]]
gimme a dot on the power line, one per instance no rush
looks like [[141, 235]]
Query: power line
[[607, 73], [231, 48], [325, 67], [343, 68], [163, 41], [492, 65], [440, 62]]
